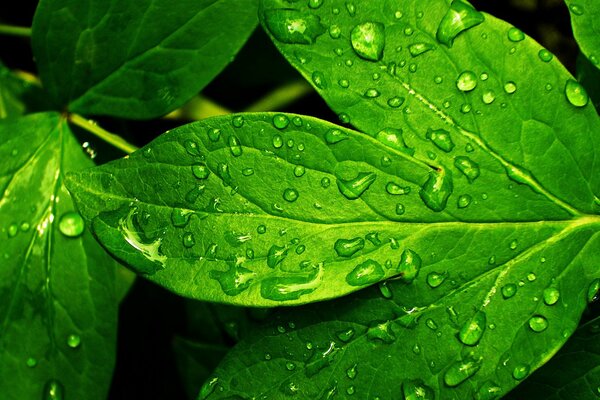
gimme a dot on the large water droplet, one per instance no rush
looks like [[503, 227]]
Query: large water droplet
[[538, 323], [396, 190], [417, 390], [551, 296], [292, 287], [393, 138], [441, 138], [280, 121], [71, 224], [463, 201], [367, 273], [235, 280], [276, 255], [472, 331], [368, 40], [381, 332], [352, 189], [468, 167], [436, 190], [459, 17], [576, 93], [352, 372], [293, 26], [348, 247], [466, 81], [319, 80], [460, 371], [409, 266]]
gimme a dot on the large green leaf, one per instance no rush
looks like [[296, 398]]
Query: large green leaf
[[585, 18], [589, 76], [135, 58], [573, 373], [58, 309]]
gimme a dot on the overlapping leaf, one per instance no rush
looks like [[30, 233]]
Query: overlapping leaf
[[135, 59], [58, 308], [17, 96], [585, 17]]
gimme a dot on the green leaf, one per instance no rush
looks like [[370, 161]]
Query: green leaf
[[135, 59], [58, 310], [589, 76], [491, 88], [574, 373], [585, 15], [17, 96]]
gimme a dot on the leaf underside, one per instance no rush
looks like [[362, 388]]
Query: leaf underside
[[58, 309], [137, 59]]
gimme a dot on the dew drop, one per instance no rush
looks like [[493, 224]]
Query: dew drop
[[460, 371], [393, 138], [576, 9], [345, 335], [280, 121], [334, 136], [214, 134], [508, 290], [593, 292], [188, 240], [409, 266], [73, 341], [400, 209], [71, 224], [463, 201], [385, 290], [352, 372], [290, 195], [436, 190], [416, 49], [488, 97], [510, 87], [551, 296], [472, 331], [233, 281], [441, 138], [208, 388], [545, 55], [276, 255], [237, 122], [368, 40], [293, 26], [576, 94], [466, 81], [381, 332], [395, 102], [520, 372], [460, 17], [366, 273], [200, 171], [417, 390], [319, 80], [354, 188], [468, 167], [515, 35], [396, 190], [538, 323], [435, 279], [348, 247]]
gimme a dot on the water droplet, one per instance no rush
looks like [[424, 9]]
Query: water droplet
[[381, 332], [348, 247], [293, 26], [280, 121], [593, 292], [73, 341], [368, 40], [459, 17], [31, 362], [468, 167], [464, 200], [385, 290], [248, 171], [214, 134], [344, 83], [299, 171], [436, 190], [515, 35], [545, 55], [277, 141], [508, 290], [290, 195], [321, 360], [417, 390], [431, 324], [188, 240], [54, 390], [315, 3], [335, 32], [466, 81], [531, 277], [393, 138], [435, 279], [551, 296], [351, 372], [513, 245], [520, 372], [71, 224], [352, 189], [462, 370], [235, 280], [367, 273], [13, 229], [409, 266], [576, 9], [325, 182], [395, 102], [345, 335], [208, 388], [334, 136], [396, 190], [416, 49], [576, 93], [290, 366], [538, 323], [276, 255], [192, 148], [200, 171], [371, 93], [510, 87], [441, 138], [472, 331], [237, 122], [400, 209], [488, 97], [319, 80]]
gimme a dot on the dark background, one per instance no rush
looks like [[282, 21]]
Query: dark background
[[151, 317]]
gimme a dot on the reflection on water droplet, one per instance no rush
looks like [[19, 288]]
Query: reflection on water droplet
[[293, 26], [460, 17], [71, 224], [368, 40]]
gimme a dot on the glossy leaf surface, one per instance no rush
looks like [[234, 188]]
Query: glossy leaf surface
[[58, 309], [585, 17], [573, 373], [135, 59]]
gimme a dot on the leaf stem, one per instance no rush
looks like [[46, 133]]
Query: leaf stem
[[110, 138], [15, 30], [281, 97]]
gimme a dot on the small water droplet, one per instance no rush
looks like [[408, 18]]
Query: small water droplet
[[431, 324], [314, 4], [593, 292], [237, 121], [417, 390], [538, 323], [54, 390], [200, 171], [466, 81], [277, 141], [508, 290], [293, 26], [515, 35], [352, 189], [71, 224], [396, 190], [400, 209], [520, 372], [382, 332], [368, 40], [463, 201], [416, 49], [31, 362], [209, 387], [352, 372], [385, 290], [551, 296], [345, 335], [472, 331], [280, 121], [395, 102], [290, 195], [325, 182], [468, 167], [576, 93], [73, 341], [460, 17], [513, 244], [319, 80], [333, 136], [392, 137], [435, 279], [545, 55], [188, 240], [276, 255], [488, 97], [510, 87], [576, 9]]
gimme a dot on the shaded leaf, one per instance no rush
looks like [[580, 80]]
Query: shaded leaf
[[17, 96], [585, 15], [589, 76], [135, 59], [58, 310]]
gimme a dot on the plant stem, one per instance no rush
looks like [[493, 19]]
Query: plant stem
[[15, 30], [198, 108], [281, 97], [110, 138]]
